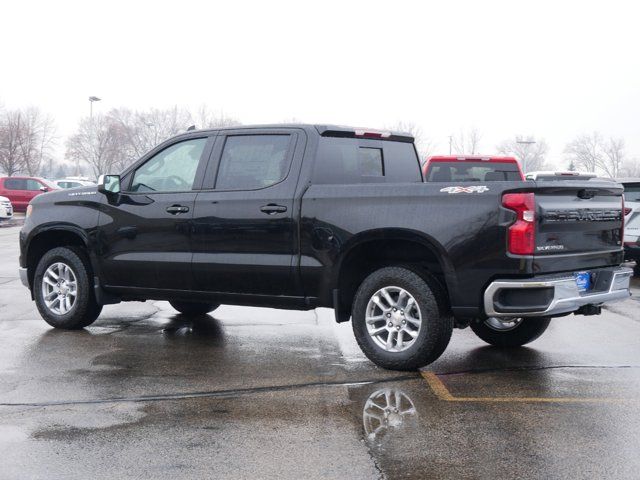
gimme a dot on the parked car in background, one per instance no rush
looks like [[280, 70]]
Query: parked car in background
[[73, 182], [471, 169], [20, 190], [632, 220], [6, 209]]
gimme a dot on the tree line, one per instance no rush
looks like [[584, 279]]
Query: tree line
[[111, 141], [587, 152]]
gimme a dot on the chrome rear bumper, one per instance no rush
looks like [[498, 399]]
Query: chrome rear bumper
[[565, 297]]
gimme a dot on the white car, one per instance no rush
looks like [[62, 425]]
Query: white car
[[632, 220], [72, 182], [6, 209]]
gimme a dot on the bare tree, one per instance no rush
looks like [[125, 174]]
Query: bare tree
[[529, 151], [593, 153], [36, 139], [26, 139], [424, 145], [118, 138], [630, 168], [466, 142], [95, 142], [614, 156], [207, 118], [585, 151], [11, 159]]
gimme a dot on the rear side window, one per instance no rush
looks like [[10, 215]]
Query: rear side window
[[250, 162], [350, 160], [15, 184], [472, 172]]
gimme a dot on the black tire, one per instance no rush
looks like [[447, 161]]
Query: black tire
[[434, 333], [85, 310], [194, 308], [636, 269], [528, 330]]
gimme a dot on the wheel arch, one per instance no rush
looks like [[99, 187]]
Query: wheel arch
[[47, 238], [410, 248]]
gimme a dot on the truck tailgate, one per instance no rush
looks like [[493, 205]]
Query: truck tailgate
[[579, 224]]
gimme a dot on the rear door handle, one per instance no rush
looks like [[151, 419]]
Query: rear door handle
[[176, 209], [272, 209]]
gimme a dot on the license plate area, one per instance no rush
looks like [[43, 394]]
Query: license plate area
[[583, 281]]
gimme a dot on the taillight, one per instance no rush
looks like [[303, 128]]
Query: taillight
[[627, 211], [521, 236]]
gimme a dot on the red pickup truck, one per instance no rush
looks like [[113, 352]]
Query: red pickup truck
[[471, 169]]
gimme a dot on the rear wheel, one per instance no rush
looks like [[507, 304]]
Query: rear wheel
[[398, 321], [63, 289], [194, 308], [510, 332]]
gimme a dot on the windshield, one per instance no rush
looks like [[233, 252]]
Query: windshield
[[49, 183], [632, 192], [472, 172]]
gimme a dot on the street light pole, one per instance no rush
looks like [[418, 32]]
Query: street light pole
[[524, 157], [92, 99]]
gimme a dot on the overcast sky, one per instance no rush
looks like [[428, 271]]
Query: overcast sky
[[551, 69]]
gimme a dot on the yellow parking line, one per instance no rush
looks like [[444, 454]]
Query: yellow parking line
[[443, 393]]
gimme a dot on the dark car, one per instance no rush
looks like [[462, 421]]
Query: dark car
[[306, 216]]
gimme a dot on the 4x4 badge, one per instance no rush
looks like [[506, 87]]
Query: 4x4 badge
[[471, 189]]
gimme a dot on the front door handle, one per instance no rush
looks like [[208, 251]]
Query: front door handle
[[176, 209], [272, 209]]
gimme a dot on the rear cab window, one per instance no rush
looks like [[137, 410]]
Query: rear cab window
[[358, 160], [472, 171], [632, 192]]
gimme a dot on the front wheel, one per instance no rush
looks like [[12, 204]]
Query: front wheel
[[63, 289], [510, 332], [194, 308], [398, 320]]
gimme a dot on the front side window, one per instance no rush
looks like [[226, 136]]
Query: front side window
[[171, 170], [33, 185], [250, 162]]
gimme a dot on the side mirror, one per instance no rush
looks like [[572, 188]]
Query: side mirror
[[108, 184], [44, 189]]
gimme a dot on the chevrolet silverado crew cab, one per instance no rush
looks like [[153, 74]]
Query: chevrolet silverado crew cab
[[306, 216]]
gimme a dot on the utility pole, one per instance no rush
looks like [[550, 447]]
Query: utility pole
[[450, 143], [524, 157]]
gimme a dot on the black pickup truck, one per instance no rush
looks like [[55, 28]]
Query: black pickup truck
[[306, 216]]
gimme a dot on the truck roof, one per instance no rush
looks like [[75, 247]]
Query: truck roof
[[327, 130]]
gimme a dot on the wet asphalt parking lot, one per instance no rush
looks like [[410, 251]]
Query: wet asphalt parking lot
[[260, 393]]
